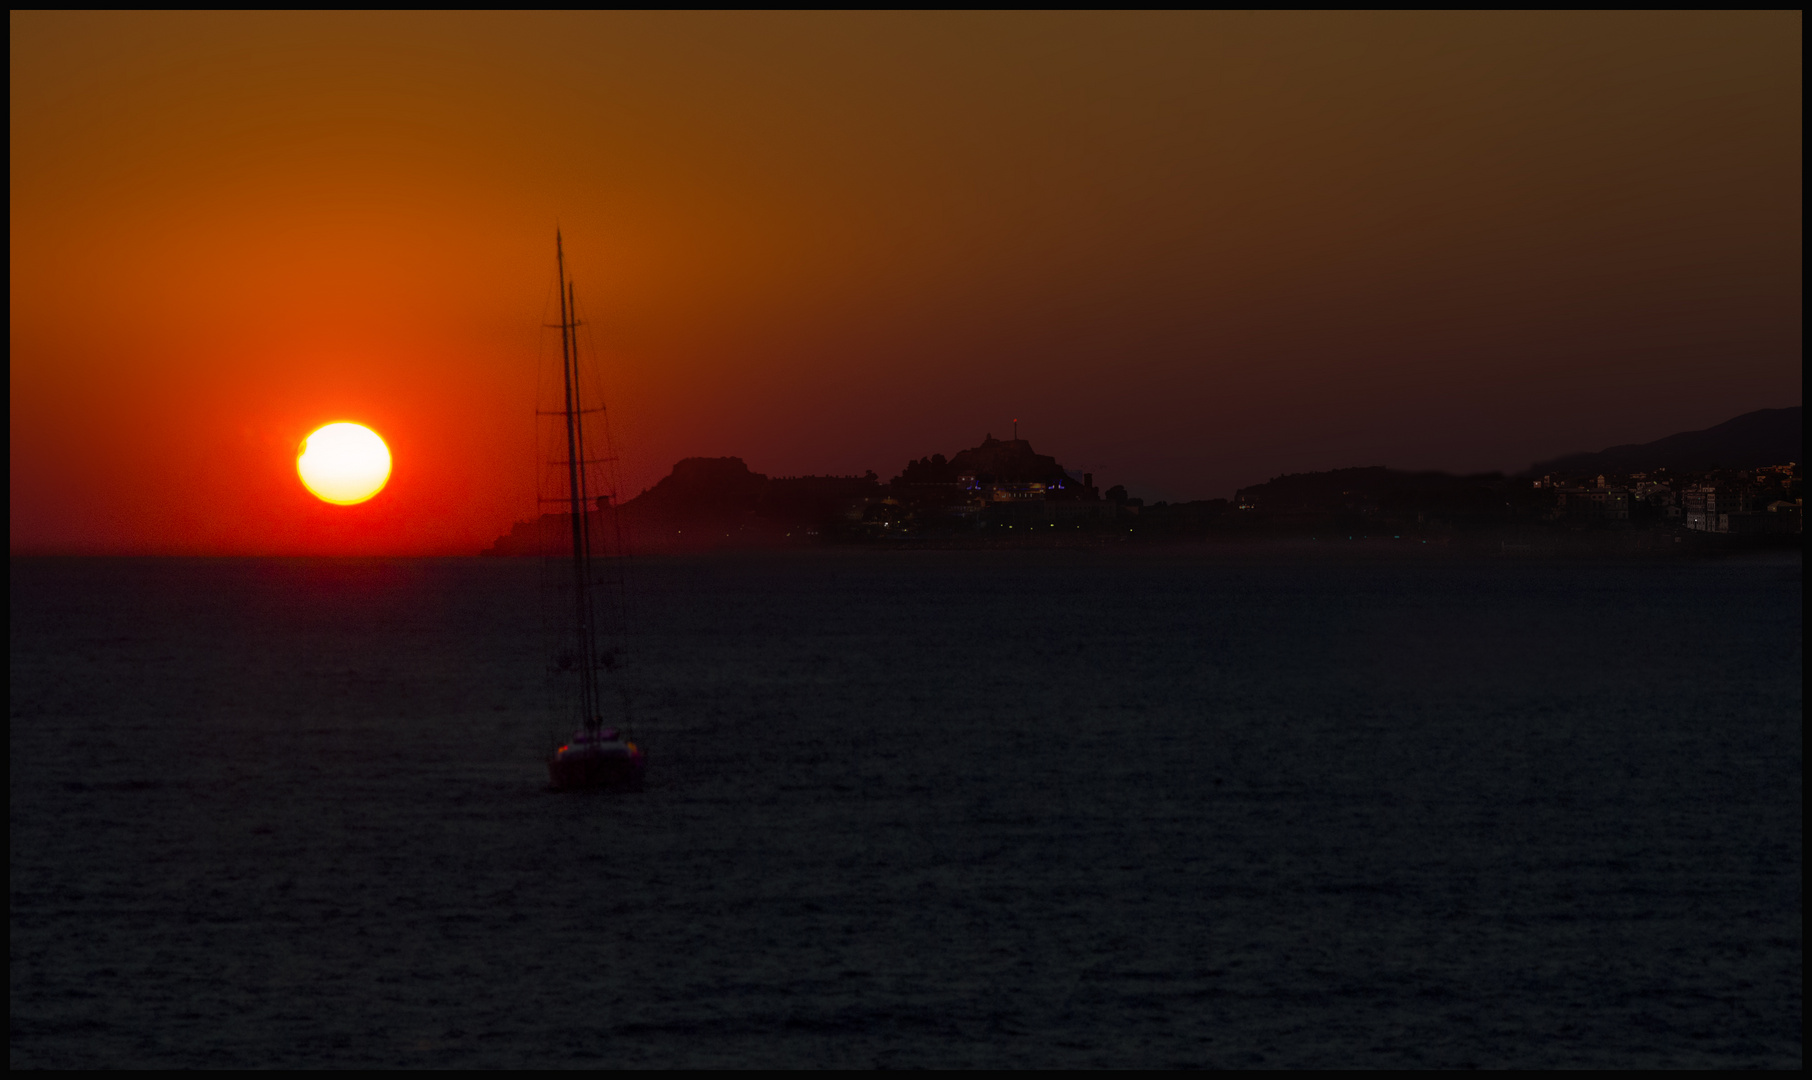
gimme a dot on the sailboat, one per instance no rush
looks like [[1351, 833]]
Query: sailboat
[[574, 550]]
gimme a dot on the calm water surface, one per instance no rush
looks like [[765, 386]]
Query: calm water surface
[[916, 808]]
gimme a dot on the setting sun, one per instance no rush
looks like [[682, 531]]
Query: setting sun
[[343, 463]]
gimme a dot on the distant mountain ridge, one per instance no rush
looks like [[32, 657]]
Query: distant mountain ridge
[[1754, 439]]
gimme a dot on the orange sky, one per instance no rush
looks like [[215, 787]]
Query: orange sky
[[1190, 252]]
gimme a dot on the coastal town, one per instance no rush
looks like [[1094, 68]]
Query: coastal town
[[1004, 492]]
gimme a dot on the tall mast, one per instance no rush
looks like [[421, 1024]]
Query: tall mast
[[569, 347]]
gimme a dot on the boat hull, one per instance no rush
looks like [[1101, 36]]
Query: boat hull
[[610, 772]]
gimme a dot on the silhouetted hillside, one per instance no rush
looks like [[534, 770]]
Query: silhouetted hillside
[[702, 487], [1763, 437], [1009, 461], [704, 503], [1004, 492]]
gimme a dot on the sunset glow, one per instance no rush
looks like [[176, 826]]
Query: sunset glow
[[343, 463], [1189, 251]]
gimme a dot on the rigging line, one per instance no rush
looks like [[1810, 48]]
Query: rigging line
[[556, 581], [575, 493], [619, 593], [540, 390], [585, 492], [585, 511], [591, 607]]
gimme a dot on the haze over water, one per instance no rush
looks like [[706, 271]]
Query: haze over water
[[914, 808]]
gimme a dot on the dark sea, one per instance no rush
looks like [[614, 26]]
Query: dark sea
[[1198, 807]]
